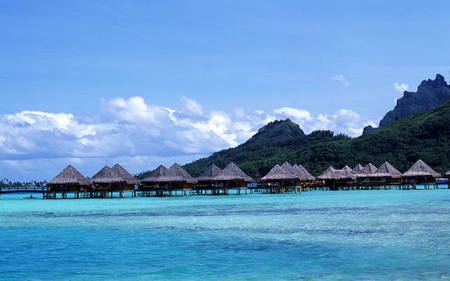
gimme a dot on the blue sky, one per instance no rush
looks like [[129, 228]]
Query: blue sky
[[143, 83]]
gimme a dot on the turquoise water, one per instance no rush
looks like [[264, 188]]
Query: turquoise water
[[318, 235]]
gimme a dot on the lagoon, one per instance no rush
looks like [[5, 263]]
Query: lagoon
[[317, 235]]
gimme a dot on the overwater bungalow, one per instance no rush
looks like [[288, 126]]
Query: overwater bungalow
[[277, 178], [338, 179], [420, 173], [233, 178], [287, 178], [206, 183], [129, 183], [166, 182], [108, 181], [385, 176], [68, 181], [102, 183], [362, 175]]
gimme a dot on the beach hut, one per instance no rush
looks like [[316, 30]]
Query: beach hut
[[280, 177], [420, 173], [338, 179], [129, 183], [108, 180], [304, 175], [232, 177], [385, 176], [206, 184], [102, 183], [362, 175], [165, 182], [69, 180], [180, 179]]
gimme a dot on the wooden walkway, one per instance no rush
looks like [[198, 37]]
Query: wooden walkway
[[22, 189]]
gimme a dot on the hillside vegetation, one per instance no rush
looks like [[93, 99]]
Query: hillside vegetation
[[424, 135]]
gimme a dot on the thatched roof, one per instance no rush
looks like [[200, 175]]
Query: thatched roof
[[346, 173], [333, 174], [209, 174], [177, 174], [447, 174], [279, 173], [174, 174], [358, 170], [420, 168], [70, 175], [328, 174], [106, 175], [370, 169], [232, 172], [156, 175], [303, 174], [386, 170], [124, 174]]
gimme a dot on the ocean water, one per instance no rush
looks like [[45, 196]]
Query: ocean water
[[317, 235]]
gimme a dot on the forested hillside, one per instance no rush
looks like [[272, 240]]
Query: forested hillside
[[424, 135]]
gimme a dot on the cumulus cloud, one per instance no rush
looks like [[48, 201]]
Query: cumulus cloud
[[401, 87], [139, 135], [341, 79], [343, 121]]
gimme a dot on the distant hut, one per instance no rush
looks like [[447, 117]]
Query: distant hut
[[128, 181], [109, 180], [329, 177], [420, 173], [232, 177], [69, 180], [180, 179], [206, 183], [358, 170], [386, 175], [165, 181], [279, 177], [338, 179], [301, 177], [209, 174], [304, 175], [370, 169], [362, 174]]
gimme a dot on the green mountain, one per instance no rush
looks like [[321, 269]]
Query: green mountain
[[424, 135], [429, 95]]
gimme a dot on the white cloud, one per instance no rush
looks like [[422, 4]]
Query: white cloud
[[401, 87], [296, 114], [139, 134], [341, 79]]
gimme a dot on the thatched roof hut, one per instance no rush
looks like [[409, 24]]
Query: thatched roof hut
[[176, 173], [303, 173], [421, 169], [209, 174], [386, 170], [333, 174], [328, 174], [124, 174], [358, 170], [69, 176], [447, 174], [346, 173], [370, 169], [232, 173], [106, 175], [157, 175], [279, 173]]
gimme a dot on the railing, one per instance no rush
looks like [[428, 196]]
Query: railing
[[18, 189]]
